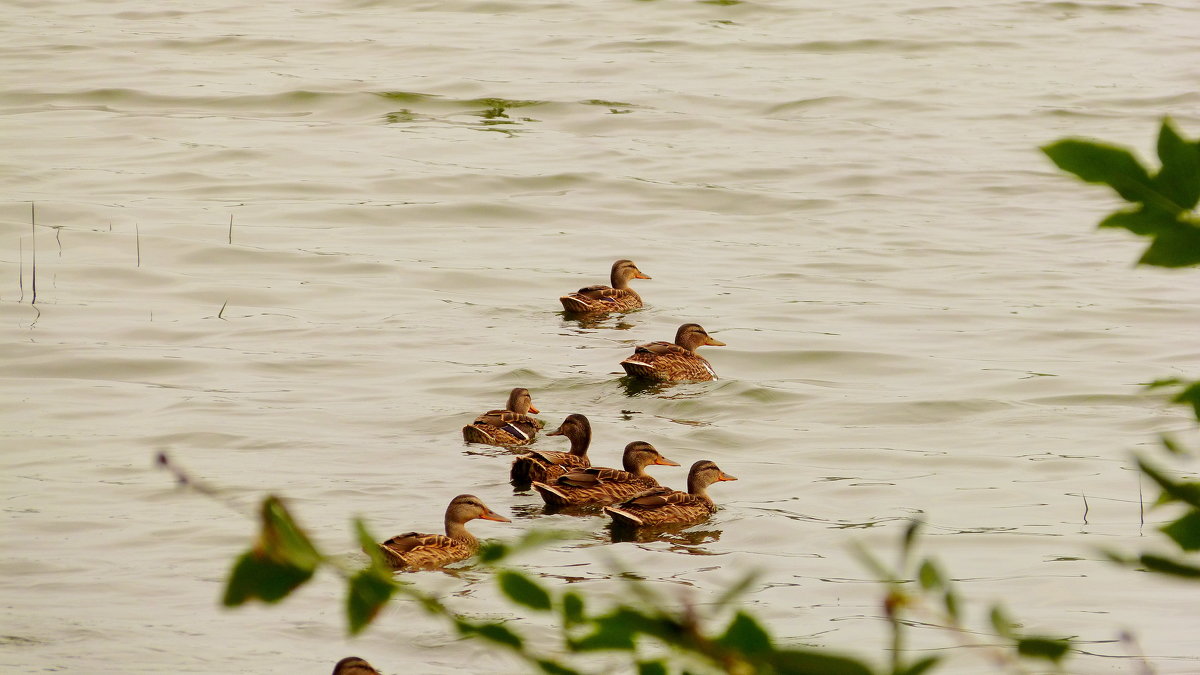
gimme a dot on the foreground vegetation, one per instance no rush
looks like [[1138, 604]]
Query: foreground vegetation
[[655, 636]]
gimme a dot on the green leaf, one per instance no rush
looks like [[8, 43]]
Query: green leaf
[[1179, 178], [950, 599], [369, 591], [607, 635], [929, 575], [494, 632], [1143, 220], [652, 668], [367, 542], [1053, 649], [806, 662], [1106, 164], [746, 635], [910, 539], [1000, 621], [1190, 396], [282, 559], [491, 552], [572, 609], [1178, 246], [1164, 565], [256, 575], [523, 590], [1185, 531], [282, 536]]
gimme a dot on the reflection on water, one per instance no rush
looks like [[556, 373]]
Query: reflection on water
[[682, 538]]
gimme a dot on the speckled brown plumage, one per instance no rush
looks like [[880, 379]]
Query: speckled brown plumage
[[509, 427], [600, 485], [543, 466], [418, 550], [664, 506], [599, 299], [673, 362]]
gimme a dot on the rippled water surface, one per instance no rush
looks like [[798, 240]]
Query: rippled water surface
[[298, 245]]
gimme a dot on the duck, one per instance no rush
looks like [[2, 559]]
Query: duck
[[417, 550], [545, 465], [664, 506], [509, 427], [599, 485], [352, 665], [674, 362], [618, 297]]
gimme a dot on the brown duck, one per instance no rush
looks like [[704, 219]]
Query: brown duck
[[416, 550], [352, 665], [618, 297], [664, 506], [508, 427], [598, 485], [544, 466], [672, 362]]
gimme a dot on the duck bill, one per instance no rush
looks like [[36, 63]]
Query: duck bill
[[533, 409], [725, 476], [556, 432], [663, 461], [711, 341], [492, 515], [640, 275]]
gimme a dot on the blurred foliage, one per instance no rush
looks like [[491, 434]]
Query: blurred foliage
[[655, 634], [1164, 204], [1165, 212]]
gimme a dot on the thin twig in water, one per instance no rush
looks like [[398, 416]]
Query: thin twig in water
[[21, 272], [223, 311], [58, 238], [137, 238], [1085, 509], [33, 229], [231, 228]]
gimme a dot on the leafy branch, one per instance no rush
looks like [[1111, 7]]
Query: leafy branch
[[1165, 202]]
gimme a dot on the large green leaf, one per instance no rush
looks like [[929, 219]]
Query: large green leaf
[[1185, 531], [1108, 165], [256, 575], [1177, 246], [1179, 178], [369, 591], [282, 559]]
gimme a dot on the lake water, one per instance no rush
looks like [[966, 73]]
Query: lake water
[[920, 315]]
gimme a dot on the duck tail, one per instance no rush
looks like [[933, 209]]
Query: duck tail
[[550, 494], [639, 369], [475, 434], [573, 303], [623, 517], [522, 470]]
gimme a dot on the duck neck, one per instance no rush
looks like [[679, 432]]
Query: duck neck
[[698, 488], [457, 531], [580, 441], [634, 467], [618, 280]]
